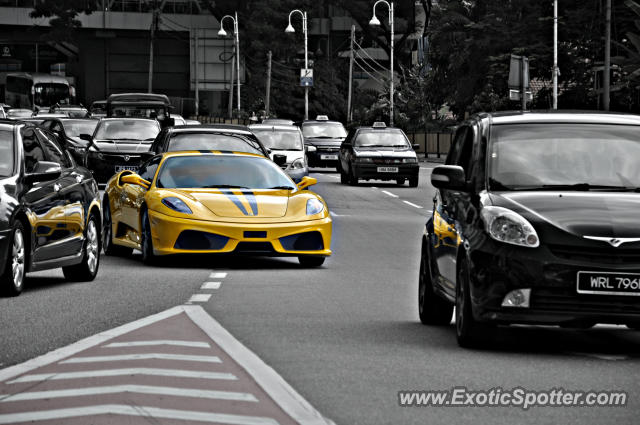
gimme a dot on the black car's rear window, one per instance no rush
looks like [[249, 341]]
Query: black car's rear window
[[6, 153]]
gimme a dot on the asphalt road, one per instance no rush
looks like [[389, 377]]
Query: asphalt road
[[346, 336]]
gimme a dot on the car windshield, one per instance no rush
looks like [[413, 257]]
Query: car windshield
[[285, 140], [326, 130], [76, 128], [145, 130], [222, 171], [139, 111], [6, 153], [389, 138], [212, 142], [578, 156]]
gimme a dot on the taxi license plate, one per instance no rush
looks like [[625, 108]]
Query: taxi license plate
[[607, 283], [126, 167], [387, 169], [330, 157]]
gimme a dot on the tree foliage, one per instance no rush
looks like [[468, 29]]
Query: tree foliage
[[63, 14]]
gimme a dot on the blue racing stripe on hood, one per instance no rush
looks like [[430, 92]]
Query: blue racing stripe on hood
[[234, 198], [253, 202]]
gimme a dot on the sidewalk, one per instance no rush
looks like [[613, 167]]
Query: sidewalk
[[432, 157]]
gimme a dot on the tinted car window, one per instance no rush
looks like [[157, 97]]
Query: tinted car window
[[33, 152], [76, 128], [148, 170], [127, 130], [211, 141], [288, 140], [324, 130], [52, 150], [6, 153], [390, 138]]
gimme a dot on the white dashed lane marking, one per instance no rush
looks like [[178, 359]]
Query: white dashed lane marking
[[199, 298], [211, 285], [393, 195], [412, 204], [218, 275]]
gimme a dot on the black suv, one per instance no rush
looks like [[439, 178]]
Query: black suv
[[322, 139], [535, 220], [379, 153], [50, 208]]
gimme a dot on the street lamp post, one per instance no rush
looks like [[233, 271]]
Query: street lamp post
[[223, 33], [290, 29], [375, 22]]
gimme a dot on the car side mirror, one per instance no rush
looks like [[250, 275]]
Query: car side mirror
[[280, 159], [450, 177], [136, 180], [416, 147], [86, 137], [306, 182], [44, 171]]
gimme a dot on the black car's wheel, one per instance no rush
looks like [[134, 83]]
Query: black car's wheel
[[148, 257], [12, 279], [413, 181], [88, 268], [352, 178], [400, 181], [108, 246], [310, 261], [433, 310], [470, 333]]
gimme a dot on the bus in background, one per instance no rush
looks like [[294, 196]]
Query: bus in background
[[36, 91]]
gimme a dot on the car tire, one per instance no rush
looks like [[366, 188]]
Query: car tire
[[469, 332], [352, 178], [432, 309], [310, 261], [400, 181], [413, 181], [87, 270], [108, 246], [146, 243], [12, 278]]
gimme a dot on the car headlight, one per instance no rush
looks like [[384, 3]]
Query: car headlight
[[177, 204], [510, 227], [314, 206], [409, 160], [365, 159], [297, 164]]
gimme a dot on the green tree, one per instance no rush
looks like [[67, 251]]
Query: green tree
[[63, 14]]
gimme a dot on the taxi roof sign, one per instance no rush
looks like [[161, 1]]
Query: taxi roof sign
[[322, 118], [379, 124]]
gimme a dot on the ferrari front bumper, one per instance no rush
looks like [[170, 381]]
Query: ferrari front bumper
[[173, 235]]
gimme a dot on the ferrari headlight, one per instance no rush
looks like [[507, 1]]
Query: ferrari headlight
[[507, 226], [409, 160], [364, 159], [177, 204], [314, 206], [297, 164]]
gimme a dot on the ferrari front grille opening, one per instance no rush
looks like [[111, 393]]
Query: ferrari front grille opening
[[255, 234], [201, 241], [259, 248], [308, 241]]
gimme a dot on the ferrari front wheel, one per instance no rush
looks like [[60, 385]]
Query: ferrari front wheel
[[146, 244], [310, 261]]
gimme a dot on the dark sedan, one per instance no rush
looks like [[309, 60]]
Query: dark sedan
[[322, 139], [535, 220], [378, 153], [51, 209], [119, 144], [69, 130], [215, 137]]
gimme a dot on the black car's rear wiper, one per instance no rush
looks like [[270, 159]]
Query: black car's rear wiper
[[224, 186], [282, 187]]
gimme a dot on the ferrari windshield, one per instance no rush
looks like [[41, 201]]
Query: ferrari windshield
[[6, 153], [77, 127], [145, 130], [383, 138], [324, 130], [222, 171], [284, 140], [569, 156], [212, 142]]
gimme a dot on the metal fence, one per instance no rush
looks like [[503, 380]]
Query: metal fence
[[205, 119], [432, 144]]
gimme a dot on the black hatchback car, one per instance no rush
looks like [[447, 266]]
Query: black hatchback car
[[50, 209], [322, 139], [535, 220], [380, 153]]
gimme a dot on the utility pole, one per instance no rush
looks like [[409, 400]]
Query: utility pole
[[195, 56], [233, 68], [607, 58], [154, 25], [353, 34], [267, 102], [523, 89], [555, 54]]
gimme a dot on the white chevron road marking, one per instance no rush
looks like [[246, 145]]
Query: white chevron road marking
[[139, 389], [195, 344], [174, 373], [143, 411], [143, 356]]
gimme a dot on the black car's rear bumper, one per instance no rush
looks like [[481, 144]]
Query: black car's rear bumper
[[370, 171], [550, 272], [314, 159], [104, 168]]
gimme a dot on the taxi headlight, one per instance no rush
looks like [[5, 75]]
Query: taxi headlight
[[409, 160], [177, 204], [314, 206], [365, 159], [510, 227]]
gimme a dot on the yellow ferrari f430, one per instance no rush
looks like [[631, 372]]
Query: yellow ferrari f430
[[214, 202]]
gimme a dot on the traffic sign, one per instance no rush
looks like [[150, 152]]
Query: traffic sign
[[306, 77]]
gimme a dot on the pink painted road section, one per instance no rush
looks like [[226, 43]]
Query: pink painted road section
[[177, 367]]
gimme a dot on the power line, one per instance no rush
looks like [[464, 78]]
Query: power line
[[377, 73], [361, 49], [367, 72]]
